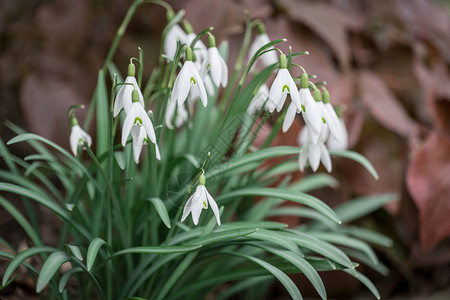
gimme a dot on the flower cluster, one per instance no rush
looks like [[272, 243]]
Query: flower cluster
[[137, 121]]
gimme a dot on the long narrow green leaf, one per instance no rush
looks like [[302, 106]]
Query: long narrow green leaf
[[368, 235], [66, 276], [275, 238], [50, 267], [242, 285], [280, 275], [7, 187], [157, 250], [161, 210], [286, 195], [21, 257], [92, 252], [343, 240], [17, 215], [359, 159], [302, 212], [366, 281], [217, 237], [75, 251], [101, 98], [252, 157], [304, 266], [361, 207]]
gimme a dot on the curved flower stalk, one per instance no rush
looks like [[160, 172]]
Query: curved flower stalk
[[179, 112], [268, 58], [188, 78], [215, 64], [175, 34], [123, 97], [198, 201], [140, 126], [78, 136], [281, 86], [259, 100], [312, 152]]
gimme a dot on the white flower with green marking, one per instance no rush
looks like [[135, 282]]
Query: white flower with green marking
[[312, 152], [311, 113], [123, 97], [188, 78], [215, 64], [281, 86], [341, 144], [140, 126], [198, 201], [77, 137], [268, 58]]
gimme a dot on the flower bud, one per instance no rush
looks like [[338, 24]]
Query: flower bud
[[202, 180], [131, 70], [283, 61], [317, 95], [304, 81]]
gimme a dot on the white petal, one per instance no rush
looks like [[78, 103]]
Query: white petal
[[200, 85], [128, 124], [138, 142], [132, 80], [157, 154], [302, 157], [275, 93], [170, 113], [74, 138], [325, 157], [189, 205], [147, 123], [198, 203], [342, 144], [170, 42], [214, 207], [184, 83], [215, 65], [314, 156], [290, 116]]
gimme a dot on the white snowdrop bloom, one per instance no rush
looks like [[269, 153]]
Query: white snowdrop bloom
[[78, 136], [258, 100], [174, 35], [200, 50], [179, 112], [187, 78], [123, 97], [290, 116], [198, 201], [215, 64], [311, 112], [281, 86], [341, 144], [136, 120], [262, 39], [314, 153], [332, 118]]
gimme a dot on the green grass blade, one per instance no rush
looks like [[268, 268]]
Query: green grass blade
[[21, 257], [101, 98], [361, 207], [92, 252], [50, 267], [217, 237], [157, 250], [286, 195], [161, 210], [366, 281], [359, 159], [66, 276], [75, 251]]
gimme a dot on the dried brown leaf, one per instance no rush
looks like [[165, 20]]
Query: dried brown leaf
[[428, 181]]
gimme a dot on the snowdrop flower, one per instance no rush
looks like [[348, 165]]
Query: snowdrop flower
[[314, 153], [268, 58], [281, 86], [331, 117], [339, 145], [174, 35], [187, 78], [78, 136], [140, 126], [290, 116], [123, 97], [200, 50], [259, 100], [180, 114], [215, 64], [311, 112], [198, 201]]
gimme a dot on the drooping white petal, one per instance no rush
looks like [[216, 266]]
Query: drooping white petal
[[314, 156], [174, 35], [128, 124], [199, 203], [200, 85], [342, 144], [157, 153], [290, 116], [293, 90], [312, 114], [214, 206], [224, 79], [276, 94], [325, 157], [147, 123], [332, 121], [215, 65], [268, 58], [259, 99], [189, 205], [209, 86], [302, 158], [138, 135], [182, 84]]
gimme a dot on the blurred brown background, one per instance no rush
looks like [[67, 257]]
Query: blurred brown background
[[386, 61]]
